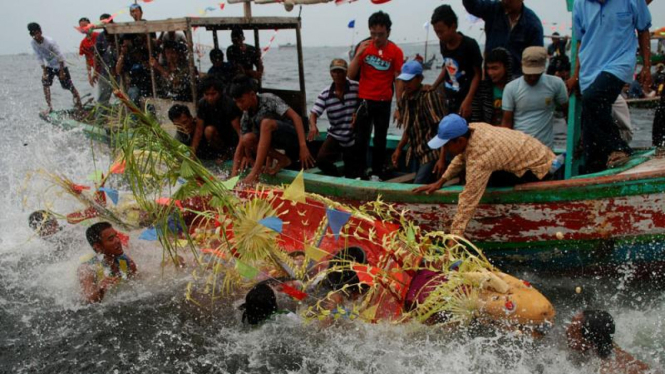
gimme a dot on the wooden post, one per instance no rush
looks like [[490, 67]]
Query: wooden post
[[247, 7], [214, 39], [152, 71], [117, 51], [301, 72], [574, 121], [192, 67]]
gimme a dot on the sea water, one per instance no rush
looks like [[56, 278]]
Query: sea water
[[149, 328]]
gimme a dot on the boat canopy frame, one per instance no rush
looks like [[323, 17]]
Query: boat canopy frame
[[295, 99]]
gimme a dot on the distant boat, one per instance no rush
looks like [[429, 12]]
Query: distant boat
[[428, 64], [287, 45]]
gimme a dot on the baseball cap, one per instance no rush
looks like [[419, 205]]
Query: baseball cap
[[410, 70], [534, 60], [338, 64], [451, 126]]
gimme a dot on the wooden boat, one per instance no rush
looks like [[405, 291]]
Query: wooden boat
[[427, 65], [604, 220], [646, 103]]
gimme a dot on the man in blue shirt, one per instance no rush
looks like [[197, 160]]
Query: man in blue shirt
[[605, 30], [508, 24]]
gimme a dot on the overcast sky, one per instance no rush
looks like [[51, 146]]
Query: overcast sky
[[323, 24]]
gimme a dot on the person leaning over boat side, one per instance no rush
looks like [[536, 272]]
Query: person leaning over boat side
[[607, 57], [508, 24], [378, 61], [133, 62], [529, 102], [52, 61], [267, 124], [484, 149], [186, 124], [246, 58], [462, 62], [108, 267], [487, 104], [87, 48], [106, 58], [590, 333], [218, 121], [340, 102], [422, 110]]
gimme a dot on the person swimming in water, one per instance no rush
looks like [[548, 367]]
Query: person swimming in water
[[590, 332], [108, 267]]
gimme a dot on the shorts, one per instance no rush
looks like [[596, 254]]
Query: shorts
[[286, 138], [65, 83]]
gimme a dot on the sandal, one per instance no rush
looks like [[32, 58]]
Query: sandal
[[617, 159]]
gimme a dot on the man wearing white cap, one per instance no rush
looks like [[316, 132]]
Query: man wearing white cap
[[529, 102], [482, 149]]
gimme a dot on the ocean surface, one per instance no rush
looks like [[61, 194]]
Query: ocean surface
[[149, 328]]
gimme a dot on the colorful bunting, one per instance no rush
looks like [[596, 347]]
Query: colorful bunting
[[231, 183], [166, 201], [246, 270], [314, 253], [79, 188], [294, 293], [336, 220], [272, 223], [95, 176], [111, 193], [149, 235], [352, 24], [118, 167], [296, 190], [124, 238]]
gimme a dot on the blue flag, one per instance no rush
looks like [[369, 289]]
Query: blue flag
[[352, 24], [149, 235], [336, 220], [111, 193], [272, 223]]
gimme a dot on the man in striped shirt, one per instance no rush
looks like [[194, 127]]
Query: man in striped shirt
[[340, 101]]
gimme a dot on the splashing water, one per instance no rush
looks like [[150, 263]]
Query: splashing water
[[147, 326]]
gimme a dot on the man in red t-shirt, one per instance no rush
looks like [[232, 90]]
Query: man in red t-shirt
[[87, 48], [379, 61]]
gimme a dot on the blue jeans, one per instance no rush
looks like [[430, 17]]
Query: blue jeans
[[424, 174], [600, 136]]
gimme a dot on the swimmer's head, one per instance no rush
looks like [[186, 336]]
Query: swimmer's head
[[104, 239], [345, 259], [592, 329], [260, 304], [43, 223], [298, 258]]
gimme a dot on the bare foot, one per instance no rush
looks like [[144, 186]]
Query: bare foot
[[250, 179], [47, 111], [282, 162]]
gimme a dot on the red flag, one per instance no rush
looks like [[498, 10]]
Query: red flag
[[118, 167], [294, 293], [124, 239]]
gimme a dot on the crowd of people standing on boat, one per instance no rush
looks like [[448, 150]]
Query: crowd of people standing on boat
[[496, 102]]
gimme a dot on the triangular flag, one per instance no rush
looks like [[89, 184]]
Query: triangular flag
[[95, 176], [111, 193], [272, 223], [296, 190], [315, 253], [118, 167], [352, 24], [294, 293], [410, 235], [231, 183], [336, 220], [246, 270], [79, 188], [149, 235], [166, 201], [369, 314]]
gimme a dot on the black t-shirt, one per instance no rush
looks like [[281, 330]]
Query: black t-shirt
[[220, 115], [248, 59], [459, 65]]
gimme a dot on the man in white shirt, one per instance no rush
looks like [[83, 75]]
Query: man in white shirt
[[530, 101], [52, 61]]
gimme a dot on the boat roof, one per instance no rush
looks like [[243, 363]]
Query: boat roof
[[209, 23]]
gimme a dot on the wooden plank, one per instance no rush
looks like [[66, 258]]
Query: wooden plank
[[142, 27], [653, 165], [403, 178], [259, 23]]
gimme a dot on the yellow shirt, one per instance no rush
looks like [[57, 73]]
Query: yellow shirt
[[492, 149]]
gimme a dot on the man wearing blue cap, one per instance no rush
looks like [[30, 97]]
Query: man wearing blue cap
[[422, 110], [483, 149]]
